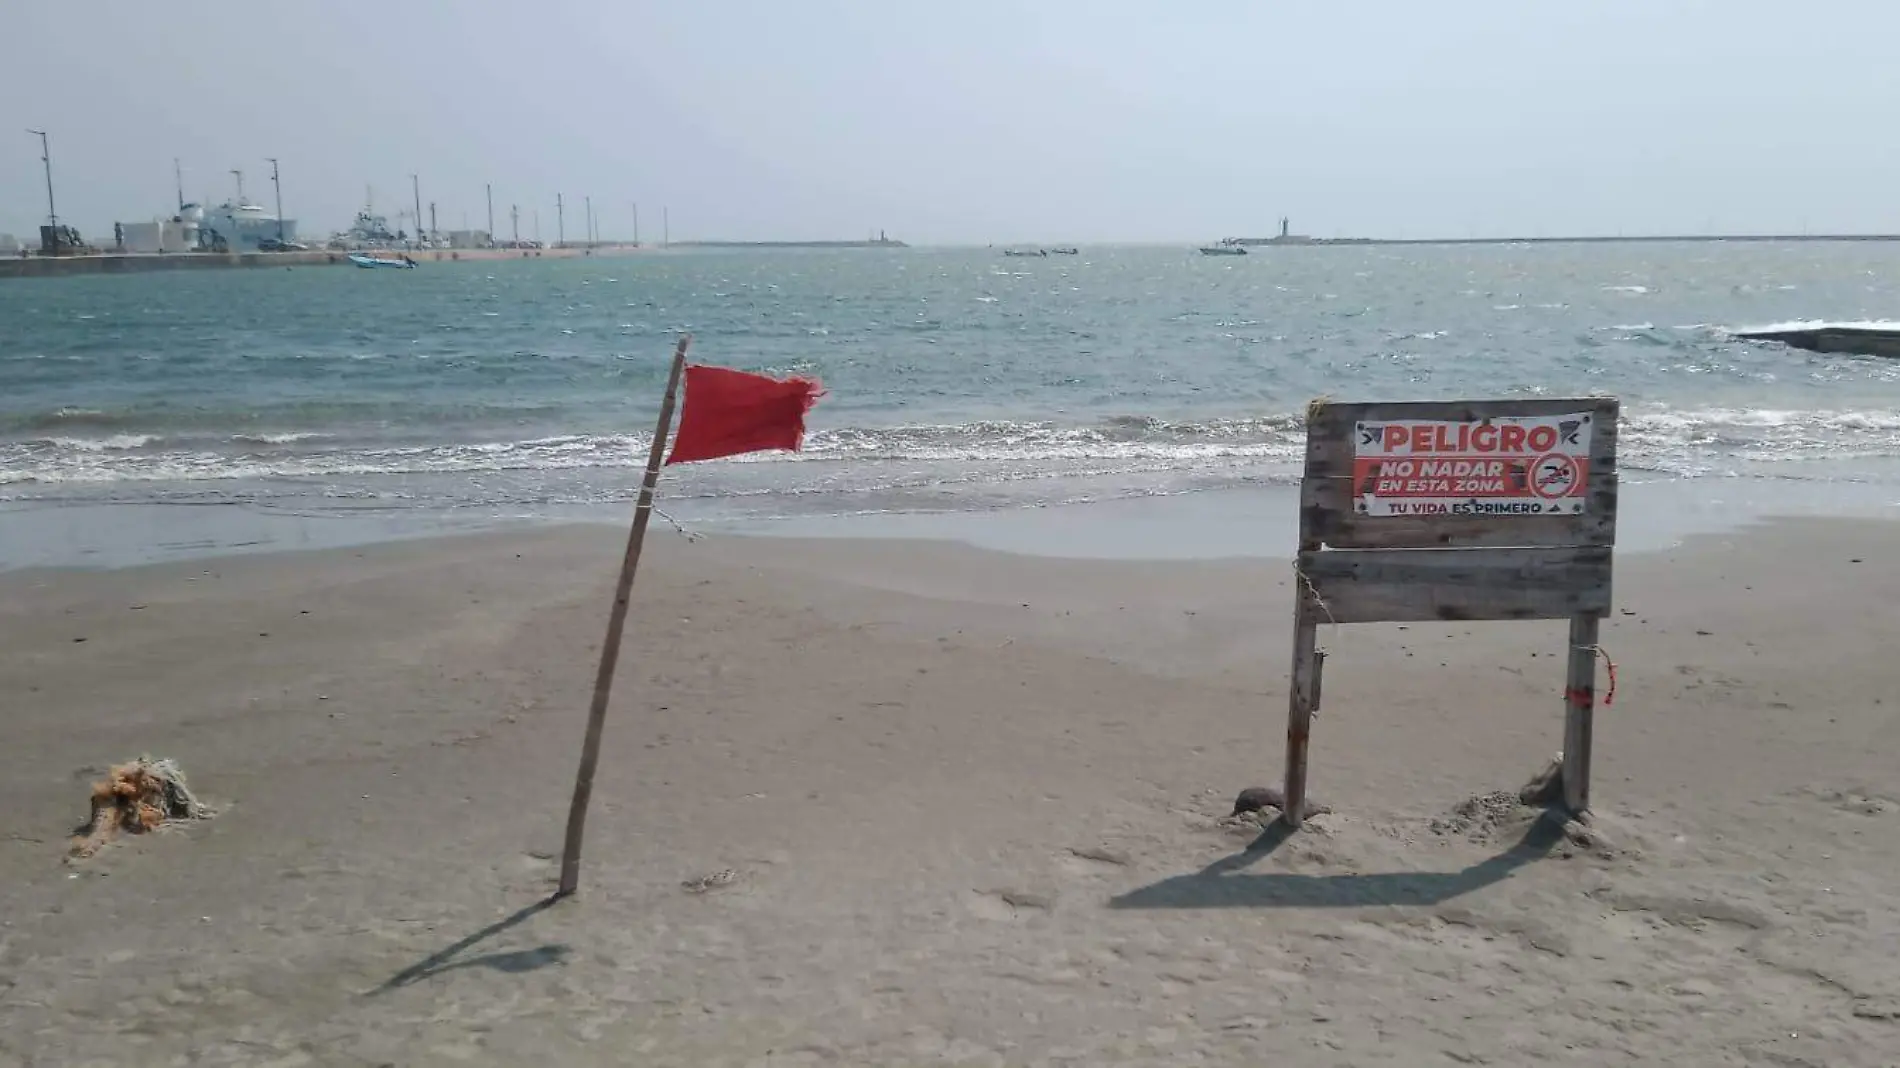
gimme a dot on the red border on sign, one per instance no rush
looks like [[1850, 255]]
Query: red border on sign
[[1572, 488]]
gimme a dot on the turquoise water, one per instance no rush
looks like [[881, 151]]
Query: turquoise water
[[958, 379]]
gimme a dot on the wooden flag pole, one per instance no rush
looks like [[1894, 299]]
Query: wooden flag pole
[[616, 624]]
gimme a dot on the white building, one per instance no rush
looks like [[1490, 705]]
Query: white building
[[164, 235]]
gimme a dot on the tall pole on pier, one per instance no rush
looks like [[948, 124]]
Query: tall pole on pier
[[415, 186], [46, 157], [491, 211], [514, 218], [560, 222], [279, 190], [433, 229], [590, 218]]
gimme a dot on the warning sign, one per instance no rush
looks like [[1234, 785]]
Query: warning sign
[[1508, 465]]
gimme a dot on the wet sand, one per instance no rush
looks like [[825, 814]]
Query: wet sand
[[972, 806]]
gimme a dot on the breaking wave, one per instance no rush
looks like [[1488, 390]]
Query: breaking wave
[[1662, 439]]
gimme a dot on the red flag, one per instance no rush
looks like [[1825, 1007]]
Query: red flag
[[729, 412]]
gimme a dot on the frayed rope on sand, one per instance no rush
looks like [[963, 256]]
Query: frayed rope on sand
[[139, 796]]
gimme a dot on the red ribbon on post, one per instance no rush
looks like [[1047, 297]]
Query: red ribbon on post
[[1583, 697]]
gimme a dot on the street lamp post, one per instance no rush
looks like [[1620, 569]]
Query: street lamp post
[[278, 188], [46, 157]]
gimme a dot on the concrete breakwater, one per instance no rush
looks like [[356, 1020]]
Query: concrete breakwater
[[1860, 339], [133, 263]]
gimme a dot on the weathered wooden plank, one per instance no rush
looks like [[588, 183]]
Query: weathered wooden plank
[[1301, 696], [1471, 410], [1409, 585], [1580, 699], [1327, 517]]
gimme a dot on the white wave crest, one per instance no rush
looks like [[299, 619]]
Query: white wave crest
[[112, 443], [286, 438]]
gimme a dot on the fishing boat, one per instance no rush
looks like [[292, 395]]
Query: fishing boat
[[362, 260], [1025, 252], [1223, 249], [1063, 252]]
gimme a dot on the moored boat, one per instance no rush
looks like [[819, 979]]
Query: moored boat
[[363, 260]]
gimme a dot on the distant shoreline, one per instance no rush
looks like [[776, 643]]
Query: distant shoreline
[[1306, 242], [881, 243], [138, 263]]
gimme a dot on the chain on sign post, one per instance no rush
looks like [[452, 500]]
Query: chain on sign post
[[1457, 510]]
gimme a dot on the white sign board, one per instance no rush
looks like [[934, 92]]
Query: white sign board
[[1502, 466]]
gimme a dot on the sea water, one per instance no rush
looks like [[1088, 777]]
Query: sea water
[[959, 381]]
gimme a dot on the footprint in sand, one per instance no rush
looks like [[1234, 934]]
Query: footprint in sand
[[1007, 905], [1093, 860], [1857, 802], [700, 884]]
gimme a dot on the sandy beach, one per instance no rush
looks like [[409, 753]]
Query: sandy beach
[[912, 803]]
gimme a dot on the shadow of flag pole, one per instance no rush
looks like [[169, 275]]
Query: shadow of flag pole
[[616, 624]]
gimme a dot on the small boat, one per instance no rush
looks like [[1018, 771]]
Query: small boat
[[1062, 252], [1223, 249], [362, 260], [1024, 252]]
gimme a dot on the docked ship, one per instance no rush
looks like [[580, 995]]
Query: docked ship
[[370, 230], [238, 226], [233, 226]]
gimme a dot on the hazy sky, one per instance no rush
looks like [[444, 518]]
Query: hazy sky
[[970, 121]]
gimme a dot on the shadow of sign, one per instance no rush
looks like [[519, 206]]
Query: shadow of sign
[[1225, 883]]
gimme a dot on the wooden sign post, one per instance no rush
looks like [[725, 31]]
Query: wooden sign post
[[1459, 510]]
